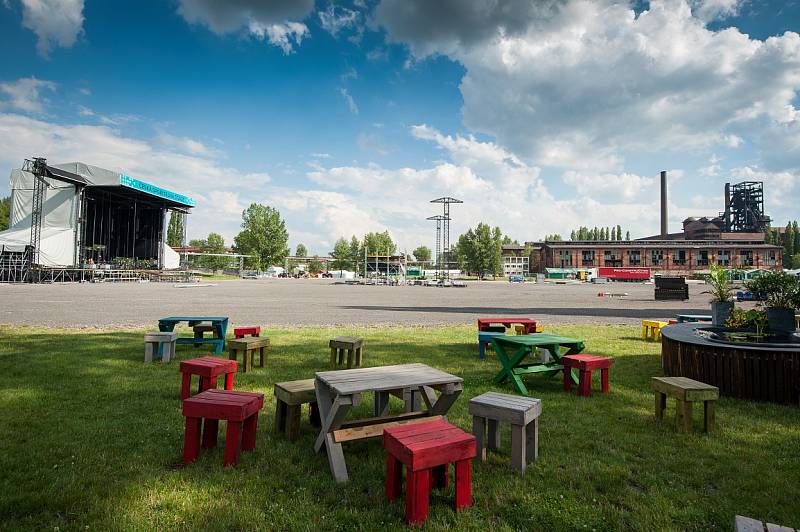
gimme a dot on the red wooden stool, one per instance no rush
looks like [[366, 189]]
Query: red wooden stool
[[585, 364], [208, 369], [426, 449], [241, 332], [239, 409]]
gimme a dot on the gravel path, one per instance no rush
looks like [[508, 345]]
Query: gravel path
[[318, 302]]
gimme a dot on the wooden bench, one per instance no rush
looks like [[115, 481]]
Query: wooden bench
[[351, 345], [159, 343], [651, 329], [290, 396], [523, 415], [686, 392], [748, 524], [200, 330], [241, 332], [248, 346], [208, 369], [426, 450], [374, 426]]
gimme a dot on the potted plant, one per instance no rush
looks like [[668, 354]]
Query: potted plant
[[782, 296], [722, 295]]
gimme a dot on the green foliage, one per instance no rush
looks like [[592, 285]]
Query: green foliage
[[780, 289], [301, 251], [552, 238], [342, 256], [379, 244], [794, 263], [720, 282], [215, 243], [315, 265], [175, 229], [422, 254], [5, 213], [602, 233], [746, 319], [263, 235], [479, 250], [627, 235], [355, 253]]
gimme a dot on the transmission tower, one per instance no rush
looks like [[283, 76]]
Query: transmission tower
[[439, 219], [446, 201], [38, 167]]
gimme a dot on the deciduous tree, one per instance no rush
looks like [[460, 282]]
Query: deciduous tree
[[263, 235]]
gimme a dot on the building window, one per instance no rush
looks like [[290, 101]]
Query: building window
[[656, 257], [702, 257], [679, 257], [565, 257], [612, 258], [634, 257], [587, 257], [769, 258], [723, 258], [745, 257]]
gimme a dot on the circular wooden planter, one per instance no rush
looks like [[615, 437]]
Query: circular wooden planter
[[760, 373]]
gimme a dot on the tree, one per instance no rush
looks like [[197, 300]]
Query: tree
[[573, 235], [379, 243], [619, 232], [552, 238], [263, 235], [300, 251], [341, 254], [355, 252], [422, 254], [5, 213], [788, 244], [479, 250], [627, 235], [315, 265], [174, 229]]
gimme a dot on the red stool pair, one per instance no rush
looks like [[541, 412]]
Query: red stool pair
[[206, 409], [426, 449], [207, 369], [241, 332], [585, 364]]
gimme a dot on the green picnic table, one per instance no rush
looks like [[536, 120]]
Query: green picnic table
[[511, 351]]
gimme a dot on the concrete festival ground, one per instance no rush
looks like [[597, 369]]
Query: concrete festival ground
[[318, 302]]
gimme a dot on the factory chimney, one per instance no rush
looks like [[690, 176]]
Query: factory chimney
[[664, 223]]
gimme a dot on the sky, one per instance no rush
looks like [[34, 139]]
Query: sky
[[349, 117]]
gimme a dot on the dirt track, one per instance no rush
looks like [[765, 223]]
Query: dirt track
[[290, 302]]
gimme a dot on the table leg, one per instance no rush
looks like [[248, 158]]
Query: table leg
[[186, 385], [661, 404], [210, 428], [518, 447], [233, 440], [280, 417], [229, 381], [148, 352], [249, 433], [334, 413], [191, 439], [445, 400], [439, 476], [605, 387], [411, 397], [709, 418], [508, 366], [394, 477], [532, 440], [333, 357], [683, 416], [463, 484], [381, 407], [418, 486]]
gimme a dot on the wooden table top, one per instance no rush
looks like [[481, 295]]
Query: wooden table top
[[384, 378], [537, 339]]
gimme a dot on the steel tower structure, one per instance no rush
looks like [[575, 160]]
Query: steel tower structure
[[439, 219], [445, 234]]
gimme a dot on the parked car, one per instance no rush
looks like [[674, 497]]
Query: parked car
[[516, 279]]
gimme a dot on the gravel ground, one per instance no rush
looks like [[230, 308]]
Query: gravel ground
[[318, 302]]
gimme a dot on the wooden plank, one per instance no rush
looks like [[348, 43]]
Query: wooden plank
[[479, 431], [371, 431], [385, 378], [778, 528], [296, 392], [684, 388]]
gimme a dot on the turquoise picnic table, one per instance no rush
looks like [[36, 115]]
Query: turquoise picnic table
[[692, 318], [220, 324], [511, 352]]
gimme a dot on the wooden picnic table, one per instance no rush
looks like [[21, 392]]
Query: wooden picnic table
[[511, 352], [692, 318], [338, 391], [220, 324], [485, 323]]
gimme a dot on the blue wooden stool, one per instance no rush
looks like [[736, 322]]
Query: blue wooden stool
[[485, 338]]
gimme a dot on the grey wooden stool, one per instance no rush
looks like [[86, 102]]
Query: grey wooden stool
[[352, 345], [523, 414], [159, 342]]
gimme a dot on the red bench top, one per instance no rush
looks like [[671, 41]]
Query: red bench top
[[247, 330], [427, 444], [223, 404], [208, 366], [586, 362]]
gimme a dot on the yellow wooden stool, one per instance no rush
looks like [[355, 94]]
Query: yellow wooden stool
[[651, 329]]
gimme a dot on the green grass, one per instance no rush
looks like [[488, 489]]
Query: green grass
[[90, 437]]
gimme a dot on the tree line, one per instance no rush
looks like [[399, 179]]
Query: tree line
[[789, 239], [5, 213]]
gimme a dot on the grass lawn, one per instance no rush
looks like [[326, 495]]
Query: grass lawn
[[90, 437]]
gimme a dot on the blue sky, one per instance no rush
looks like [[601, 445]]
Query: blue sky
[[349, 116]]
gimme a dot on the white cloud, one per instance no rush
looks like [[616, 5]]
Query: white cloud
[[583, 84], [55, 22], [276, 21], [24, 94], [609, 186], [85, 111], [351, 103], [781, 190], [337, 18], [186, 145], [708, 10]]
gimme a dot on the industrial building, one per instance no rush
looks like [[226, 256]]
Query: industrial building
[[734, 239]]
